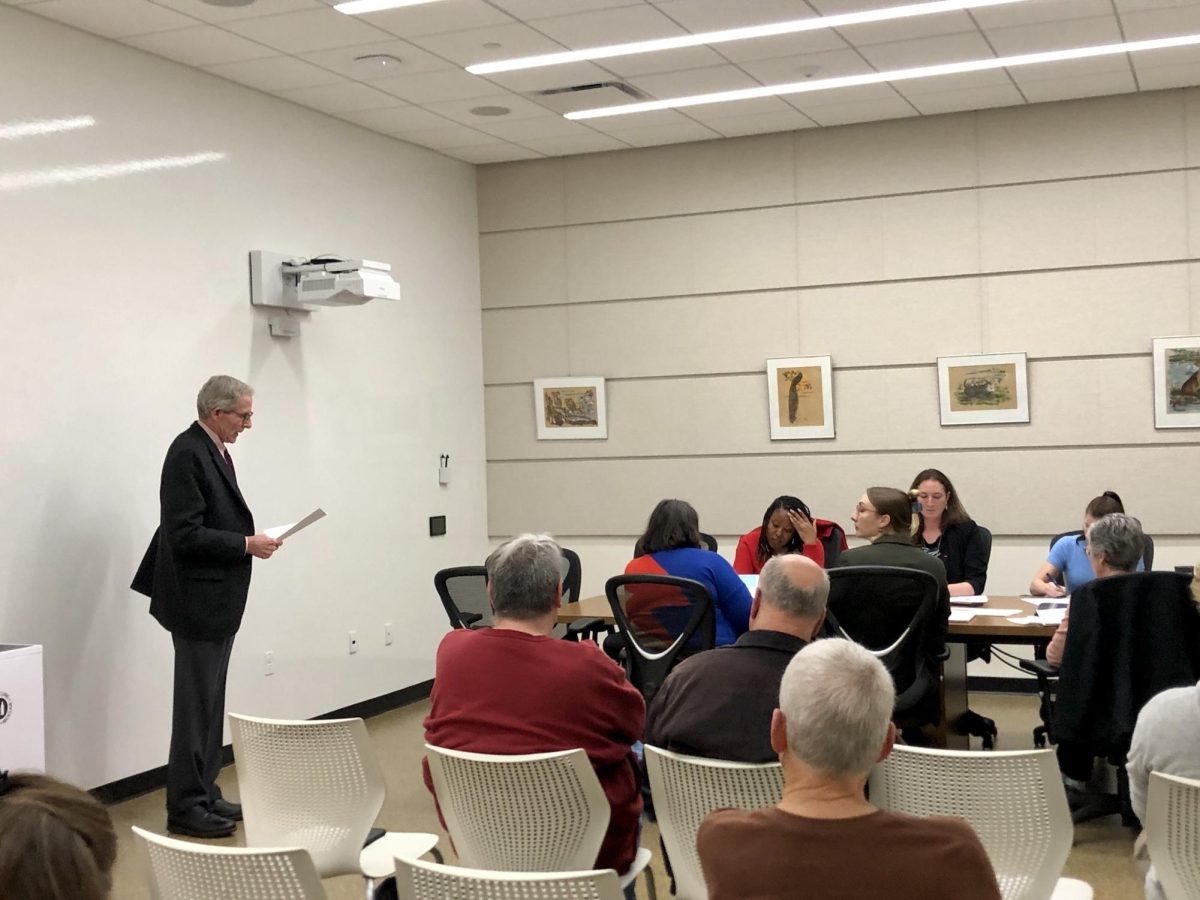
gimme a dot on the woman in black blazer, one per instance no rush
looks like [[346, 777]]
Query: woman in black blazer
[[948, 533]]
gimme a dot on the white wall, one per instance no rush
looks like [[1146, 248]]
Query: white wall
[[1066, 230], [121, 296]]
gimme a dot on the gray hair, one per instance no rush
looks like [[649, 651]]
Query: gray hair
[[837, 699], [779, 591], [1119, 537], [523, 575], [221, 393]]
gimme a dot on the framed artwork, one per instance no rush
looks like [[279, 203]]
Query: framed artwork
[[983, 389], [1177, 382], [570, 409], [800, 397]]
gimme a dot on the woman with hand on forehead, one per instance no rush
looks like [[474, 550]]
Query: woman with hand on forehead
[[949, 534], [788, 526]]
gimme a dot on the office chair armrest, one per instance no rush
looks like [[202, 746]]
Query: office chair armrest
[[469, 619], [944, 655], [586, 626], [1041, 668]]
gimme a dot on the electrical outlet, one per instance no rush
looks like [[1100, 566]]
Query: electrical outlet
[[353, 641], [269, 659], [387, 634]]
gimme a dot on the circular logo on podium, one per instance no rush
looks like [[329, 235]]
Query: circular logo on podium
[[5, 707]]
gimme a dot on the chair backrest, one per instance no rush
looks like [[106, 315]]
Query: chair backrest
[[688, 788], [709, 542], [1173, 833], [180, 870], [312, 784], [985, 537], [535, 812], [660, 618], [420, 880], [889, 610], [572, 576], [832, 543], [463, 592], [1013, 800]]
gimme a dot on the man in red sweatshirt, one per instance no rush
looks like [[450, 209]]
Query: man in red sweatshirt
[[513, 688]]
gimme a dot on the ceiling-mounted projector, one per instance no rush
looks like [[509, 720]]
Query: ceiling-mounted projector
[[296, 283]]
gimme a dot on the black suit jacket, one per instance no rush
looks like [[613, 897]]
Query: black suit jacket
[[196, 570]]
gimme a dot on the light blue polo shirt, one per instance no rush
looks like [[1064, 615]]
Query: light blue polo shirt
[[1069, 557]]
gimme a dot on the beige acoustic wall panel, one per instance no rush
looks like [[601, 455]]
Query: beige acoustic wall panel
[[527, 194], [522, 268]]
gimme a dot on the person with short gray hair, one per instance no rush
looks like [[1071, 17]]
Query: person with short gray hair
[[718, 704], [1115, 544], [514, 688], [832, 726], [221, 393]]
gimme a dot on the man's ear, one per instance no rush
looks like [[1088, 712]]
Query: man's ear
[[558, 596], [778, 731], [888, 743], [755, 604], [491, 605], [817, 629]]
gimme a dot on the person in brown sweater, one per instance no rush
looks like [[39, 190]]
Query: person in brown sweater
[[824, 841]]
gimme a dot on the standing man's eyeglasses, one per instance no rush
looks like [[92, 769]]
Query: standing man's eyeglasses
[[245, 417]]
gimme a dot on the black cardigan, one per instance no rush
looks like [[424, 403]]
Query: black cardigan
[[963, 553]]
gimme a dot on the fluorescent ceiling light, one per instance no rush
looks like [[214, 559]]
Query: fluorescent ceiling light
[[12, 131], [15, 181], [732, 34], [826, 84], [358, 7]]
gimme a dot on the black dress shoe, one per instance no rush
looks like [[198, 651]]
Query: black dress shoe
[[198, 822], [226, 809]]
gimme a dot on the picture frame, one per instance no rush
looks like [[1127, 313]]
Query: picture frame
[[1176, 382], [983, 389], [570, 409], [800, 397]]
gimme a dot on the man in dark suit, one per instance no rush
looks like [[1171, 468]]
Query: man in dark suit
[[197, 574]]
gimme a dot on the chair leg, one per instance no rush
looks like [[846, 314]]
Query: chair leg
[[369, 884], [651, 888]]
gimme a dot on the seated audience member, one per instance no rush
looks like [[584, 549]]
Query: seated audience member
[[671, 546], [1166, 739], [788, 526], [949, 534], [513, 689], [824, 839], [718, 704], [56, 841], [1068, 557], [1114, 546]]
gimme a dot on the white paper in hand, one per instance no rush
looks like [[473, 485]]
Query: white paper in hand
[[279, 532]]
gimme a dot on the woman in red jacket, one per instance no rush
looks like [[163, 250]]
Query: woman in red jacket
[[788, 526]]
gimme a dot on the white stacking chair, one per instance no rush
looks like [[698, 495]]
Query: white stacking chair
[[1173, 834], [180, 870], [317, 785], [1014, 800], [418, 880], [688, 788], [537, 812]]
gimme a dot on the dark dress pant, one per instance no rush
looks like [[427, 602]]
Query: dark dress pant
[[197, 723]]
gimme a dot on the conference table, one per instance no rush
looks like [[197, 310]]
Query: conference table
[[981, 629]]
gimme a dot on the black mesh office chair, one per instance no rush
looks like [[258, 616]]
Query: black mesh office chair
[[572, 579], [1130, 637], [710, 543], [661, 620], [890, 611], [832, 544], [463, 592]]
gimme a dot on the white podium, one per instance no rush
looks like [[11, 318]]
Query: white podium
[[22, 718]]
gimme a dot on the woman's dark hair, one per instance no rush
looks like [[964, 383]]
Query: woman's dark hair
[[1106, 503], [785, 503], [673, 524], [956, 513], [896, 504]]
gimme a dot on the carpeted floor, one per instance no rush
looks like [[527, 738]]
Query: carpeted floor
[[1102, 855]]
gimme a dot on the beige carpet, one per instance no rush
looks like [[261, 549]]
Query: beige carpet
[[1102, 854]]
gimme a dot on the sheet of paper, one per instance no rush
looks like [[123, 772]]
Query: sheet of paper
[[1051, 616], [974, 600], [279, 532], [1026, 620], [966, 615]]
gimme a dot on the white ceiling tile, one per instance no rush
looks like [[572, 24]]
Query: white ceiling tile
[[492, 153], [221, 14], [904, 29], [1098, 66], [467, 47], [538, 9], [412, 60], [1081, 86], [786, 119], [663, 117], [944, 48], [1007, 15], [527, 129], [113, 18], [275, 73], [663, 61], [787, 70], [460, 110], [718, 15], [348, 96], [565, 146], [397, 119], [450, 136], [434, 87], [1161, 77], [714, 113], [801, 44], [302, 32], [1140, 25], [694, 81], [654, 135], [937, 102], [861, 111], [550, 77], [964, 81], [838, 96], [203, 45], [613, 26], [434, 18], [1054, 35]]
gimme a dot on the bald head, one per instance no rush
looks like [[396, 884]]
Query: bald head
[[791, 596]]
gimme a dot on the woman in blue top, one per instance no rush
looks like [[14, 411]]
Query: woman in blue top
[[671, 546], [1068, 561]]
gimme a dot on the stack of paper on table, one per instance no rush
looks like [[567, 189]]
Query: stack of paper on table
[[974, 600]]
